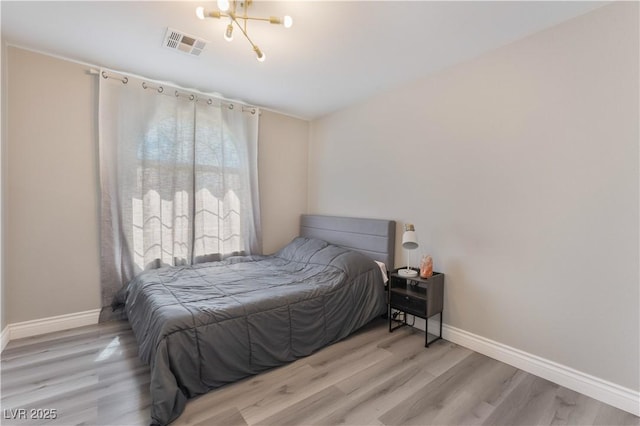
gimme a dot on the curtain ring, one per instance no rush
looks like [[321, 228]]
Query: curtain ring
[[253, 111], [160, 89], [144, 85], [191, 97], [124, 80], [209, 101], [177, 94], [230, 106]]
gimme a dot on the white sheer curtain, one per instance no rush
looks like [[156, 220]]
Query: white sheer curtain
[[178, 182]]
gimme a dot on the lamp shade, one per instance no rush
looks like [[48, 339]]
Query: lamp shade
[[409, 240]]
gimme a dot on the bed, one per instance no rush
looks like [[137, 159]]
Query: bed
[[200, 327]]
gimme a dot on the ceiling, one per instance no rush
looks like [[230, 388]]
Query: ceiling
[[337, 53]]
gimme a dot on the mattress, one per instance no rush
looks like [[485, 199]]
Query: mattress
[[200, 327]]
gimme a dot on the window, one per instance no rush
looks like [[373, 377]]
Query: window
[[177, 167], [178, 181]]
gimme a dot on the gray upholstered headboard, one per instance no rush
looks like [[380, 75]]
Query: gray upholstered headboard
[[372, 237]]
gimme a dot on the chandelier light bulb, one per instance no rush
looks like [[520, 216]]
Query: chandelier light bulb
[[223, 5], [287, 21], [200, 12], [228, 34], [259, 55]]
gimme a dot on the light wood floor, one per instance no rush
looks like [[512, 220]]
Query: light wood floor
[[92, 375]]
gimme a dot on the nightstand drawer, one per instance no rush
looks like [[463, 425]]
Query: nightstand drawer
[[409, 304]]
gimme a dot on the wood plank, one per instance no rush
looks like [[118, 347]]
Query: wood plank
[[525, 403], [366, 404], [230, 417], [307, 411], [295, 389], [423, 406]]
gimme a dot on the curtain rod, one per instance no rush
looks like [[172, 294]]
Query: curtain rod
[[177, 93]]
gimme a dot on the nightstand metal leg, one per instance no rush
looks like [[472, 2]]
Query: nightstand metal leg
[[393, 314], [426, 332]]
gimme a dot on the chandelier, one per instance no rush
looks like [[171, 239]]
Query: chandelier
[[236, 11]]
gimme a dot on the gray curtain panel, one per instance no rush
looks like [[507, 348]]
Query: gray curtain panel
[[178, 180]]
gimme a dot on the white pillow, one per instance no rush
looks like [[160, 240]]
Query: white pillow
[[383, 269]]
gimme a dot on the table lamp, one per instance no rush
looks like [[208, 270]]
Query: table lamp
[[409, 242]]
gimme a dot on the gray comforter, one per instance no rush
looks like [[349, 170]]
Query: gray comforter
[[200, 327]]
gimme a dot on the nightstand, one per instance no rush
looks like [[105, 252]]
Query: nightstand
[[416, 296]]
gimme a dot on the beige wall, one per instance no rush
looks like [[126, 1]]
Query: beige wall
[[52, 190], [519, 170], [282, 167], [51, 232], [3, 170]]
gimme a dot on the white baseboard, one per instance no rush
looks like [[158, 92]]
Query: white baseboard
[[36, 327], [610, 393], [4, 338]]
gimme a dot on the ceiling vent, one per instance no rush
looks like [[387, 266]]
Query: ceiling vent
[[178, 40]]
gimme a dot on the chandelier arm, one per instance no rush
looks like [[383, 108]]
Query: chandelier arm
[[234, 19], [245, 8], [252, 18]]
